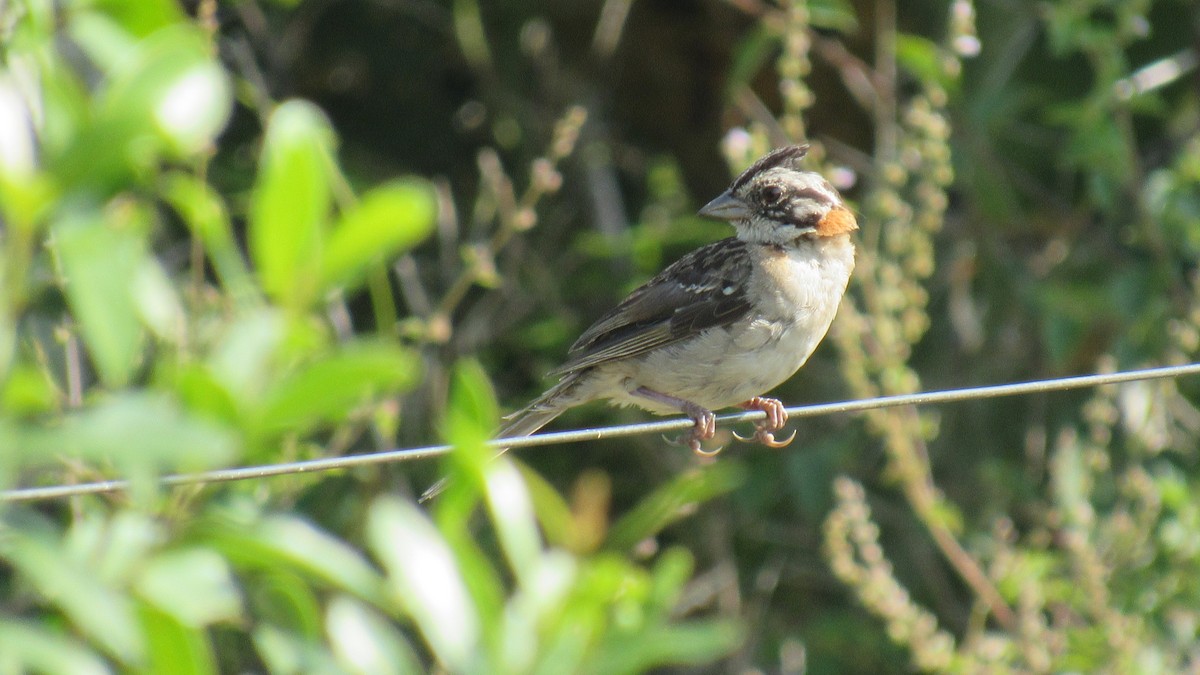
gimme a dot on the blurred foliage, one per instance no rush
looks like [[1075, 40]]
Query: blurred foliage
[[256, 231]]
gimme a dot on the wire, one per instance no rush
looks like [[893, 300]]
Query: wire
[[576, 436]]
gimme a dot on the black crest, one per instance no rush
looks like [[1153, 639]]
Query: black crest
[[787, 155]]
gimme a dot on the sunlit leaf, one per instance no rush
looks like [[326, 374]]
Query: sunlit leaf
[[201, 393], [290, 204], [695, 642], [288, 653], [330, 388], [672, 502], [99, 611], [175, 648], [142, 433], [107, 43], [143, 16], [27, 391], [365, 642], [473, 410], [204, 212], [469, 420], [543, 599], [390, 219], [244, 358], [423, 572], [192, 585], [157, 303], [289, 542], [17, 148], [29, 647], [99, 263], [485, 584], [193, 107], [553, 513], [115, 546], [512, 512], [160, 96]]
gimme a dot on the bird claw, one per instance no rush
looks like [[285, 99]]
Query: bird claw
[[764, 431], [768, 439], [692, 441], [765, 436], [704, 427], [705, 454]]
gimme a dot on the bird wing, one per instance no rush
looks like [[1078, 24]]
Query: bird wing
[[704, 289]]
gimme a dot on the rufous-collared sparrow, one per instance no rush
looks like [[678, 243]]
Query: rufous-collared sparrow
[[727, 322]]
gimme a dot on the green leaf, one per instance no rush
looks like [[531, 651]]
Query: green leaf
[[115, 546], [99, 263], [671, 573], [286, 653], [290, 204], [143, 434], [175, 648], [544, 600], [105, 41], [694, 642], [751, 55], [99, 611], [923, 58], [201, 393], [30, 647], [244, 359], [192, 585], [672, 502], [366, 643], [143, 16], [833, 14], [192, 107], [204, 212], [553, 513], [424, 574], [283, 597], [512, 512], [289, 542], [157, 303], [391, 218], [160, 96], [470, 417], [331, 388], [27, 391]]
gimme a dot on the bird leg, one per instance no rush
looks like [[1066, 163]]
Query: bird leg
[[764, 430], [705, 422]]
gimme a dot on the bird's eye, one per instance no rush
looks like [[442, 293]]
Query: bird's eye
[[771, 194]]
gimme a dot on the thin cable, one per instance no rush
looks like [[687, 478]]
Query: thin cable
[[409, 454]]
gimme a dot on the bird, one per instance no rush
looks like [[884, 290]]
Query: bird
[[726, 323]]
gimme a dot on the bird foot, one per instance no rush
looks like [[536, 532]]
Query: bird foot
[[704, 421], [764, 431], [703, 429]]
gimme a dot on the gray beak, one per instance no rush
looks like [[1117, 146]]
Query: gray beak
[[726, 207]]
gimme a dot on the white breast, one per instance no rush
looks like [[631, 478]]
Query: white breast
[[797, 292]]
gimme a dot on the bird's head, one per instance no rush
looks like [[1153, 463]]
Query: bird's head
[[776, 202]]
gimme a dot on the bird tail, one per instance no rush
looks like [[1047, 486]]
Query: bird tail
[[526, 421]]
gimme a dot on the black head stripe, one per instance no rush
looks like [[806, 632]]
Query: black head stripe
[[785, 155]]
